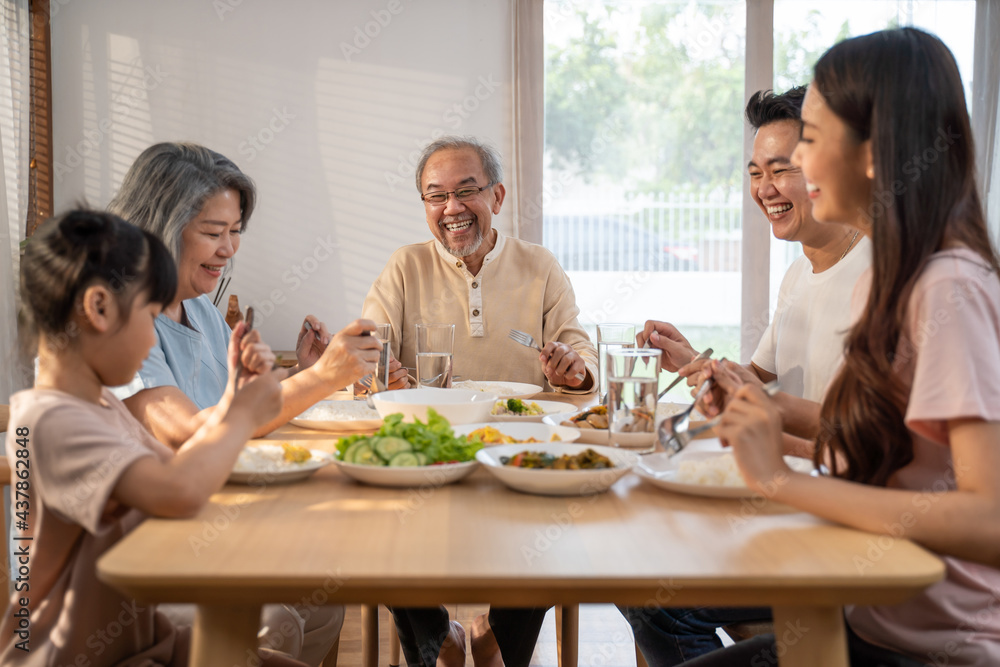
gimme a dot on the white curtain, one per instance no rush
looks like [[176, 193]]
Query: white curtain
[[14, 119], [529, 118], [985, 105]]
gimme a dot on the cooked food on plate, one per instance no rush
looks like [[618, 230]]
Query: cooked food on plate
[[515, 406], [595, 417], [492, 436], [272, 458], [588, 459]]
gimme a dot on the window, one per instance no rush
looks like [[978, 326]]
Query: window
[[643, 163]]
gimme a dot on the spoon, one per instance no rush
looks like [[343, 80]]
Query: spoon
[[680, 433]]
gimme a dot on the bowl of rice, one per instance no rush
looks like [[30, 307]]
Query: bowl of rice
[[277, 464], [346, 415]]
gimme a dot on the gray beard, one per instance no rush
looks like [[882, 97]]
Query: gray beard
[[470, 248]]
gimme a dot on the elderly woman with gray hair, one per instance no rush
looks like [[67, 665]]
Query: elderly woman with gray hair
[[198, 203]]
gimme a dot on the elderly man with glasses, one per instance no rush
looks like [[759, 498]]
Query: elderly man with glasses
[[486, 284], [483, 282]]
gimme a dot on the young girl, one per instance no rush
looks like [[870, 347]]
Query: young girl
[[911, 423], [85, 472]]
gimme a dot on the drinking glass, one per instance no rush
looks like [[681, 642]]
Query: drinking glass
[[367, 384], [435, 343], [610, 337], [633, 375]]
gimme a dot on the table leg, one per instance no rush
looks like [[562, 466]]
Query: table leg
[[224, 634], [810, 636], [369, 635], [570, 635]]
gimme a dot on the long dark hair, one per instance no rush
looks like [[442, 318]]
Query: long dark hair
[[70, 252], [901, 89]]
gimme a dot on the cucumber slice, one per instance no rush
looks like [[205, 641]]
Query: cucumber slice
[[366, 456], [388, 447], [353, 449], [422, 458], [404, 459]]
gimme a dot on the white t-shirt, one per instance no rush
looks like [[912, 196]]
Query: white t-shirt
[[804, 343]]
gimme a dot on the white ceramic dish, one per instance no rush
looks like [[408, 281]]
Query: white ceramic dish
[[458, 406], [549, 407], [590, 436], [501, 389], [556, 482], [661, 470], [523, 431], [599, 436], [353, 416], [420, 476], [261, 474]]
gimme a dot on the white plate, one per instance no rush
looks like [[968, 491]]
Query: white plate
[[548, 407], [556, 482], [318, 417], [501, 389], [421, 476], [599, 436], [280, 473], [523, 431], [661, 470], [590, 436]]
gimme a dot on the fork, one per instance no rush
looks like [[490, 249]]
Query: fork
[[528, 340], [681, 434]]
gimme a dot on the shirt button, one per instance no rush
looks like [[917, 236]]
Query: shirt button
[[475, 285], [475, 313], [458, 264]]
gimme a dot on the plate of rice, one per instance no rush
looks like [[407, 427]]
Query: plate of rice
[[501, 389], [339, 416], [260, 465], [704, 473]]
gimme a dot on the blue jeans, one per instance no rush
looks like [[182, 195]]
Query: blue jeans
[[422, 630], [670, 636]]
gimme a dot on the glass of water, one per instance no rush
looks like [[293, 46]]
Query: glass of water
[[633, 375], [435, 343], [611, 337], [367, 384]]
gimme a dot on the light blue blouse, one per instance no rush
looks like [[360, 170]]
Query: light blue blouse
[[191, 359]]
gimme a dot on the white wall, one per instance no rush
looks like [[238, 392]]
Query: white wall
[[327, 119]]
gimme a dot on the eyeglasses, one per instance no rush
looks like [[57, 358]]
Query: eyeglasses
[[462, 194]]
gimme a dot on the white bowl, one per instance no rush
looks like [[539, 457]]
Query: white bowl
[[458, 406], [556, 482], [523, 431]]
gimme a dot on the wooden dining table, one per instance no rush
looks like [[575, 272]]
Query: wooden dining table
[[330, 540]]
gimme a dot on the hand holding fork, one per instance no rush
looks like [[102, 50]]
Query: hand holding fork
[[528, 340]]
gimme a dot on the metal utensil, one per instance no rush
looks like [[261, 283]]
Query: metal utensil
[[704, 355], [678, 434], [528, 340], [249, 322]]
